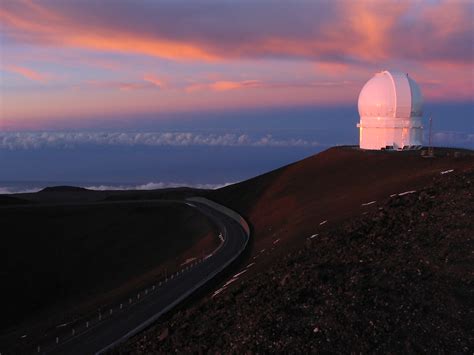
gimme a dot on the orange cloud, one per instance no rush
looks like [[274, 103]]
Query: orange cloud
[[28, 73], [223, 85], [332, 68], [126, 43], [356, 30], [120, 85], [231, 85], [56, 28]]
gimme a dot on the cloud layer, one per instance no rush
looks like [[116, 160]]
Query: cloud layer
[[67, 60], [38, 140], [334, 31]]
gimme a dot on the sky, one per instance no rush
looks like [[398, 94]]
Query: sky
[[81, 79]]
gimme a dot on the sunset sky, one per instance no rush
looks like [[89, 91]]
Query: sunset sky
[[137, 65]]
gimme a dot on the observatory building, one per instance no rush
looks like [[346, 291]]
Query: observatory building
[[390, 109]]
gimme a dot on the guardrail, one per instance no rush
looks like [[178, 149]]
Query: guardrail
[[227, 211], [78, 327]]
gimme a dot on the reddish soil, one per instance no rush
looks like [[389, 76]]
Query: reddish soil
[[290, 203], [392, 276]]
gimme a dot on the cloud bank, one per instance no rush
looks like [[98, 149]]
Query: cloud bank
[[156, 185], [451, 138], [39, 140]]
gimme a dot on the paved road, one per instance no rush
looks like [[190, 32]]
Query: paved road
[[123, 324]]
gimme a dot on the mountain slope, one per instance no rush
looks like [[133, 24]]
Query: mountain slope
[[395, 278], [291, 202]]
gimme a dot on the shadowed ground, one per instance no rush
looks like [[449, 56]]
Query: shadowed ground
[[66, 260]]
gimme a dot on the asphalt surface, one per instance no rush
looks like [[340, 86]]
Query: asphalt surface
[[122, 324]]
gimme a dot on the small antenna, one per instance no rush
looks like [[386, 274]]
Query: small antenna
[[430, 146]]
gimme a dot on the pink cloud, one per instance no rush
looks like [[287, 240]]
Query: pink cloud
[[28, 73], [326, 32], [224, 85], [151, 78], [119, 85]]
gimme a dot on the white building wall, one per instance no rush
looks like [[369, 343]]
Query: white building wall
[[383, 132], [390, 109]]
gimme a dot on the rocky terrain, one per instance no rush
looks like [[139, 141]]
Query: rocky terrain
[[396, 278]]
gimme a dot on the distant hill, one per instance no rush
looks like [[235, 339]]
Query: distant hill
[[74, 194], [63, 189]]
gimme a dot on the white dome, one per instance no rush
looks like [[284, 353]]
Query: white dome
[[391, 94], [390, 109]]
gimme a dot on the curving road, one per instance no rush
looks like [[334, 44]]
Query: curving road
[[127, 322]]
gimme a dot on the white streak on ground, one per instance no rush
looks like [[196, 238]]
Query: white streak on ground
[[230, 281], [447, 171], [407, 193], [233, 279], [238, 274], [368, 203], [323, 222], [218, 291]]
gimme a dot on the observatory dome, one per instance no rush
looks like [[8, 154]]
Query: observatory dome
[[390, 108]]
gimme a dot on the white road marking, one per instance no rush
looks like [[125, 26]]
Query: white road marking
[[238, 274], [276, 241], [23, 336], [230, 281], [233, 279], [313, 236], [250, 265], [323, 222], [61, 325], [368, 203], [393, 195], [261, 251], [407, 193], [218, 291], [447, 171]]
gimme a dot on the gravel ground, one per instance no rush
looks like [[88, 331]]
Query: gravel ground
[[398, 279]]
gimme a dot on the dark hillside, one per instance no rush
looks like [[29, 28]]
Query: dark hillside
[[62, 194], [398, 278], [6, 200], [64, 260]]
